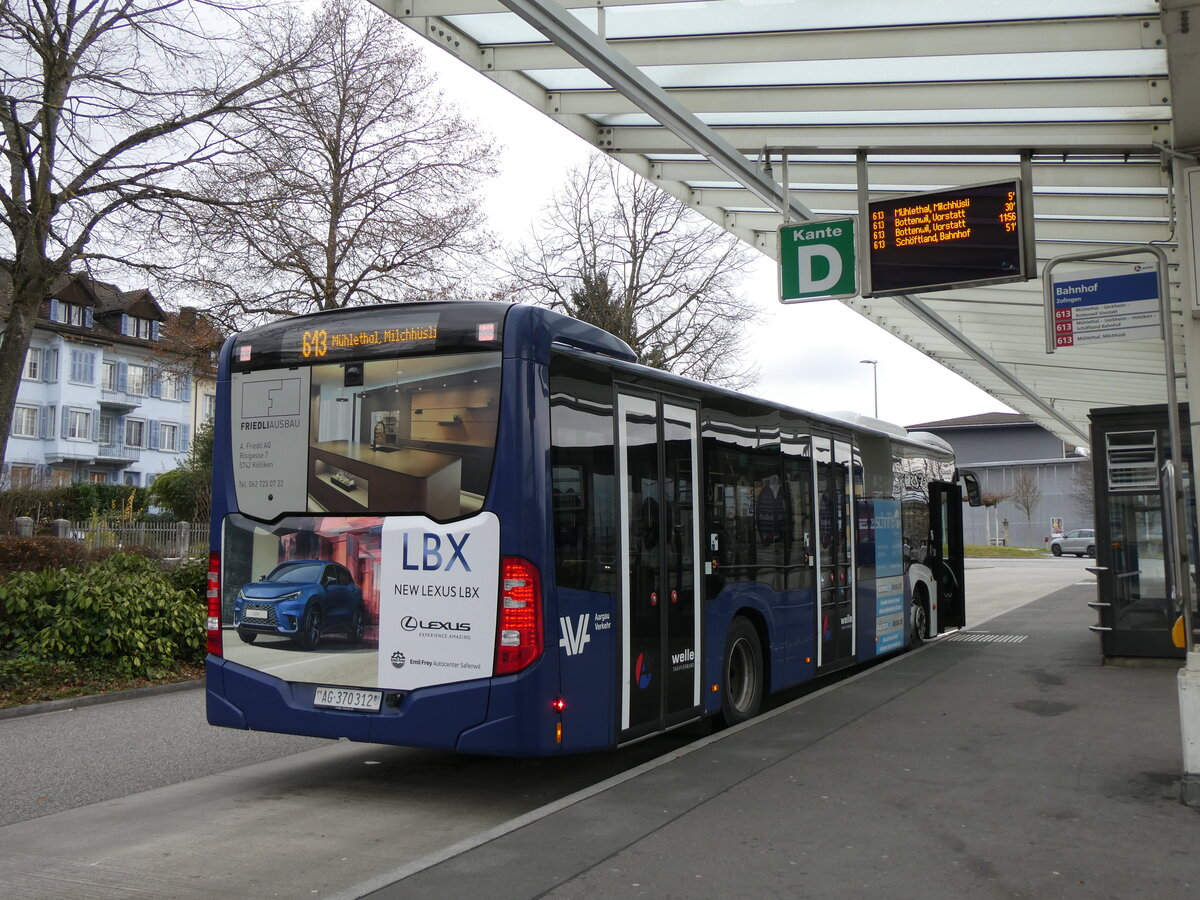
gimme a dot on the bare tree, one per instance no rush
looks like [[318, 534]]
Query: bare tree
[[616, 251], [103, 105], [1083, 490], [1026, 493], [357, 186]]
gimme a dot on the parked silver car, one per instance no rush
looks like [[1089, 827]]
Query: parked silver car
[[1081, 542]]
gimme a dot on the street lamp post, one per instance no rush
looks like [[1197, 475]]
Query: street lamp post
[[874, 364]]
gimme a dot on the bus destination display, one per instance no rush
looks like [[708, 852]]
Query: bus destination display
[[949, 238], [364, 333], [316, 343]]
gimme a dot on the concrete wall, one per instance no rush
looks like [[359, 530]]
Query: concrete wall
[[1064, 489]]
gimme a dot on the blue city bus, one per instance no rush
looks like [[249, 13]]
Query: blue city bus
[[483, 527]]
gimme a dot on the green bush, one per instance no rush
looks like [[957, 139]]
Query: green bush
[[125, 610], [191, 575], [19, 670]]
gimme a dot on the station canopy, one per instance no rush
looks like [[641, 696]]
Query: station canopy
[[699, 97]]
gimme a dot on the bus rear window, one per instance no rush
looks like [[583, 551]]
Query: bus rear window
[[397, 436]]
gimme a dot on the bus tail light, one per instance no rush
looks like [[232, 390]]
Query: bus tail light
[[213, 627], [519, 630]]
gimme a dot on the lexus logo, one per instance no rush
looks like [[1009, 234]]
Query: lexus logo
[[412, 623]]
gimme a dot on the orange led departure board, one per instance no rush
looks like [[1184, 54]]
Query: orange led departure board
[[950, 238]]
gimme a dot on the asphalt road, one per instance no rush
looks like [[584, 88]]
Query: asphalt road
[[63, 760], [995, 586]]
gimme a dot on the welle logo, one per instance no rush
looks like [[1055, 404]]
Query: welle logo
[[574, 633]]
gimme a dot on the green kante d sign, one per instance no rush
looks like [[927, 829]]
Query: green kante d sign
[[816, 260]]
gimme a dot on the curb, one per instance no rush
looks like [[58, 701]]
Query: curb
[[36, 709]]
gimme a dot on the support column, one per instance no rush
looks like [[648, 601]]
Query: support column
[[1179, 18], [1186, 183]]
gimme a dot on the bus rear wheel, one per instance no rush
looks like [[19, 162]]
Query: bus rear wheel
[[920, 624], [741, 673]]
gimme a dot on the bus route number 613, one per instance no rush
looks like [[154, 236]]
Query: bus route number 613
[[314, 343]]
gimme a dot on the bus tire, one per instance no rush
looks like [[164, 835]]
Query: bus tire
[[920, 623], [741, 674], [310, 628], [247, 636]]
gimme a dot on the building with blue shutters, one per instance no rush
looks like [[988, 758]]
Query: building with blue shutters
[[112, 389]]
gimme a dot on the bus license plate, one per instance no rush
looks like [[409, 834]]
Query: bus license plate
[[255, 614], [347, 698]]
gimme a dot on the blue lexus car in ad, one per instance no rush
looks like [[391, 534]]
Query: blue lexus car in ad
[[303, 599]]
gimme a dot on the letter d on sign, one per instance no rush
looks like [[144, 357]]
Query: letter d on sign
[[807, 257], [816, 260]]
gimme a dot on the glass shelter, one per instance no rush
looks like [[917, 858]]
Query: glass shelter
[[1134, 602]]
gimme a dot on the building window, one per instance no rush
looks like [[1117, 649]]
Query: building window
[[168, 436], [79, 425], [209, 407], [106, 430], [135, 433], [131, 479], [97, 477], [83, 367], [33, 364], [22, 478], [60, 477], [141, 328], [170, 386], [25, 422], [137, 380], [71, 314], [108, 375]]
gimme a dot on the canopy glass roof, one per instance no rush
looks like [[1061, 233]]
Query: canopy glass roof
[[699, 96]]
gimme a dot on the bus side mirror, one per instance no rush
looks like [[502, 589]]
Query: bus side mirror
[[970, 481]]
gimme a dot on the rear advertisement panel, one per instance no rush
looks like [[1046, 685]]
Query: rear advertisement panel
[[392, 602]]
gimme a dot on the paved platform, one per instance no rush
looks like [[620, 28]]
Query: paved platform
[[984, 767]]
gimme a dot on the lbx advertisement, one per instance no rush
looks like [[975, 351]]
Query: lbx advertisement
[[437, 601]]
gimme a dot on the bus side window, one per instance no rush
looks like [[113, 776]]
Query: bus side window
[[583, 476], [798, 556]]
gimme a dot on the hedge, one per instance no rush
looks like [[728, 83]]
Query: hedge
[[125, 611]]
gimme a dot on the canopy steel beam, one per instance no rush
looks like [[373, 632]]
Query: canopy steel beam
[[883, 42], [1042, 137], [565, 30], [1048, 94], [1143, 177]]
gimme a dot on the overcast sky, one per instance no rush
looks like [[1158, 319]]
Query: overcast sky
[[808, 353]]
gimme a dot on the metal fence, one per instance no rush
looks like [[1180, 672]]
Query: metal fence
[[171, 539]]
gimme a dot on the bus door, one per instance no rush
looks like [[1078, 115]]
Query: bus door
[[658, 458], [835, 549], [946, 543]]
